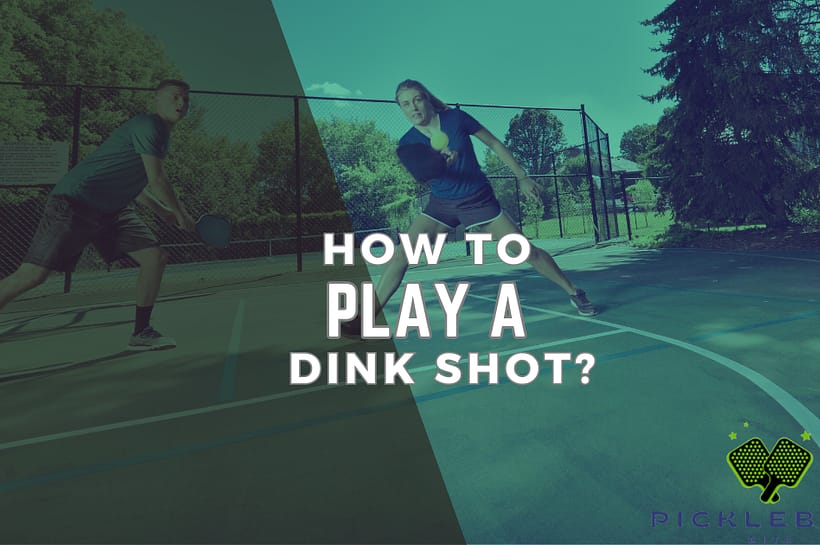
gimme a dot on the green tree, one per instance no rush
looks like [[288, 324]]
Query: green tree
[[20, 115], [504, 185], [643, 194], [346, 165], [377, 191], [214, 173], [638, 142], [532, 212], [643, 144], [535, 138], [276, 169], [69, 42], [745, 86], [573, 184], [573, 179]]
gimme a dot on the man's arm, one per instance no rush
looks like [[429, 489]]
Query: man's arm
[[158, 183], [160, 190], [155, 205]]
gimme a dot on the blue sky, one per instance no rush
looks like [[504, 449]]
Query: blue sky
[[537, 53]]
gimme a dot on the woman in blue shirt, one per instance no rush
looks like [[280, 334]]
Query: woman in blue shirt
[[463, 195]]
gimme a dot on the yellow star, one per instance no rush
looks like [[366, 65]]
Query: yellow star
[[745, 424], [733, 436], [805, 435]]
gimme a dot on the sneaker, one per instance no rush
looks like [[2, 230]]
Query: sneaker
[[150, 339], [580, 301]]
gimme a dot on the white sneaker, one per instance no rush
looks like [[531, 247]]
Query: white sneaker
[[150, 339]]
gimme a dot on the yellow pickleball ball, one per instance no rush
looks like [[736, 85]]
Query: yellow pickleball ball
[[439, 140]]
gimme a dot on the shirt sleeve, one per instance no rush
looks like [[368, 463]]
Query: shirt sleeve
[[471, 126], [150, 137]]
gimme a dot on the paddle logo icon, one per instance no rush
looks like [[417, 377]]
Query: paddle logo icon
[[755, 466]]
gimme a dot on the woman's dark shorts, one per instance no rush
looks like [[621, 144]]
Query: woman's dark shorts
[[471, 211]]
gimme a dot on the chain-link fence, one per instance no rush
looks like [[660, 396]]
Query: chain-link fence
[[287, 169]]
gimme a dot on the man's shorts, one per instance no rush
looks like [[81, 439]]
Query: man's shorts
[[471, 211], [68, 226]]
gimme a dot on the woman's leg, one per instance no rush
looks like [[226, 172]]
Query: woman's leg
[[542, 262], [395, 270]]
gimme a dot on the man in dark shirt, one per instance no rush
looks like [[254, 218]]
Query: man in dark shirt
[[93, 204]]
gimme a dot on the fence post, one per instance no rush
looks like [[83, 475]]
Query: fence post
[[297, 157], [626, 207], [610, 177], [75, 155], [518, 203], [557, 197], [589, 176], [603, 181]]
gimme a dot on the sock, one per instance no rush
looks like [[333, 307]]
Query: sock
[[143, 318]]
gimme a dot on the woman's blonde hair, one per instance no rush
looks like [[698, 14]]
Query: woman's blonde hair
[[438, 105]]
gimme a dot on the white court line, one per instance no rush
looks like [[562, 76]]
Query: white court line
[[161, 418], [238, 404], [798, 411], [534, 347]]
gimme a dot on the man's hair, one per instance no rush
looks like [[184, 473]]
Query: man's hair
[[172, 83]]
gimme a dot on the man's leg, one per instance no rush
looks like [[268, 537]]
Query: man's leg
[[56, 246], [26, 277], [127, 233], [152, 263]]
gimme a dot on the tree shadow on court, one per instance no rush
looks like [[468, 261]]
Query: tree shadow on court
[[64, 367], [75, 317]]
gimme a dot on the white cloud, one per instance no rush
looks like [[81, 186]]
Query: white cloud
[[332, 89]]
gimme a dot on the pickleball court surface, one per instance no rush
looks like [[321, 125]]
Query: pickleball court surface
[[210, 443]]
